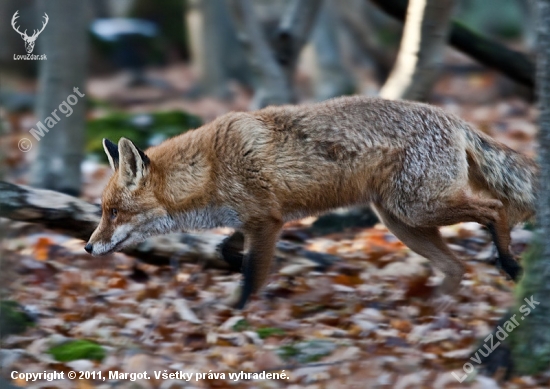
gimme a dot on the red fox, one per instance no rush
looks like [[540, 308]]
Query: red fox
[[418, 166]]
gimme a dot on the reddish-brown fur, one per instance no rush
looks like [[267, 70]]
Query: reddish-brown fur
[[419, 167]]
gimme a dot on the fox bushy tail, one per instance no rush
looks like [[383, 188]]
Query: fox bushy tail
[[506, 174]]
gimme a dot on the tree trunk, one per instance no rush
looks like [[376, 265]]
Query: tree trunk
[[293, 33], [333, 79], [214, 78], [65, 43], [421, 51], [274, 66], [531, 339], [215, 50], [272, 87], [360, 23]]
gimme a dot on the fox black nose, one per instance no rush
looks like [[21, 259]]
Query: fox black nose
[[89, 247]]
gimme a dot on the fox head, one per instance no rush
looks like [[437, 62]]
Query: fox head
[[130, 210]]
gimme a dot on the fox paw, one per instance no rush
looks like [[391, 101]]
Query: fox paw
[[232, 301], [510, 266]]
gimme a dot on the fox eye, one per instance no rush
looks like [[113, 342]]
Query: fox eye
[[114, 213]]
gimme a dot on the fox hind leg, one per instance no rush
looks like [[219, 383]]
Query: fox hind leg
[[488, 212], [427, 242], [463, 208]]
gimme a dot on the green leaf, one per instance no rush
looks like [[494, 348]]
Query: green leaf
[[269, 331], [77, 349], [241, 325]]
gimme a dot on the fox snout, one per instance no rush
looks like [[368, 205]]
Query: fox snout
[[97, 248], [100, 248], [101, 243]]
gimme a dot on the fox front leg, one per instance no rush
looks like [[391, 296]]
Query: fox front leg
[[260, 239]]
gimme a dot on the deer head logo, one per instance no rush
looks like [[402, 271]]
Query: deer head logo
[[29, 40]]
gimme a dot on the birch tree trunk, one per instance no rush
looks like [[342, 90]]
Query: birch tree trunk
[[65, 43], [531, 339], [421, 50]]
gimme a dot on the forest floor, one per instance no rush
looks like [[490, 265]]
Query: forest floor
[[366, 322]]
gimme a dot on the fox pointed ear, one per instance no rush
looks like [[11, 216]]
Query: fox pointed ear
[[112, 153], [133, 163]]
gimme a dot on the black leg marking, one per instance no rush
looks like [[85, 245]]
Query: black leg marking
[[247, 282], [231, 250], [505, 260]]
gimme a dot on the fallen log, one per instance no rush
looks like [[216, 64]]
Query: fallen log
[[78, 218]]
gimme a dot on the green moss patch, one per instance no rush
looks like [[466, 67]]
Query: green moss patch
[[77, 349], [142, 129], [269, 331]]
